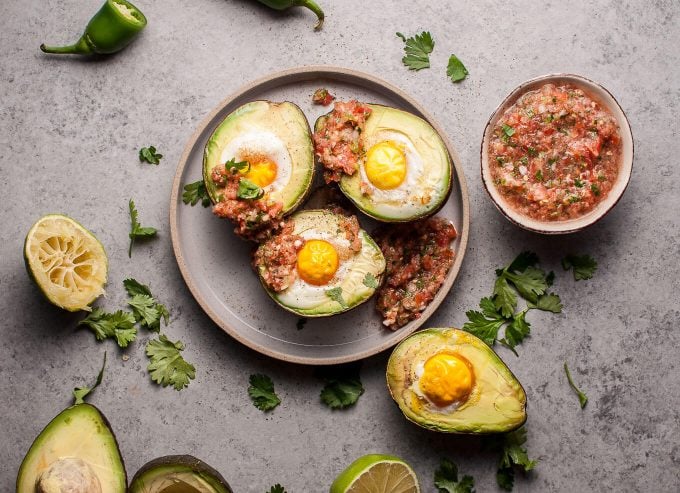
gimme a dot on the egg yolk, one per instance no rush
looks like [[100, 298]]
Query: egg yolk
[[447, 378], [386, 165], [317, 262], [262, 172]]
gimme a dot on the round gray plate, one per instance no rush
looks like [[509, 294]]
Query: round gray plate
[[216, 264]]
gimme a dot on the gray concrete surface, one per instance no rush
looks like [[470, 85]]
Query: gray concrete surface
[[69, 134]]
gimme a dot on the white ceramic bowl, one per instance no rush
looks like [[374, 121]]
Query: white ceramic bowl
[[601, 95]]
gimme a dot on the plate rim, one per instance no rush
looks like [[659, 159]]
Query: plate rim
[[308, 72]]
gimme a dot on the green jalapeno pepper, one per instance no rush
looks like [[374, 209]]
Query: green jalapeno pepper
[[110, 30], [285, 4]]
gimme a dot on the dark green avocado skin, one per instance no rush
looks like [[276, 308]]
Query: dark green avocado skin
[[179, 464]]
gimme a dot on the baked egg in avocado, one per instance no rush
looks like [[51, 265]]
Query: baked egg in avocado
[[321, 263], [449, 380], [403, 171]]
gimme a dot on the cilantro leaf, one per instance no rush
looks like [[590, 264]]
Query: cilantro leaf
[[277, 488], [193, 192], [336, 295], [136, 229], [504, 297], [505, 477], [446, 479], [167, 366], [513, 456], [133, 287], [149, 155], [234, 166], [524, 259], [486, 324], [370, 281], [248, 190], [456, 70], [517, 330], [582, 398], [417, 50], [549, 302], [119, 325], [79, 393], [261, 392], [584, 266], [339, 394], [530, 283], [145, 308]]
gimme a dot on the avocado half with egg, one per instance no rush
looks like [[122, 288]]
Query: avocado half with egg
[[449, 380], [275, 140], [77, 452], [406, 172], [329, 278], [178, 474]]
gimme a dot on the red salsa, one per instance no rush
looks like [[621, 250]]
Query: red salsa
[[322, 97], [418, 256], [278, 256], [555, 154]]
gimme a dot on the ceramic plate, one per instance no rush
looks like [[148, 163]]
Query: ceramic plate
[[216, 264]]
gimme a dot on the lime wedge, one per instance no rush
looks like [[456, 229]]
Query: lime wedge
[[66, 261], [376, 474]]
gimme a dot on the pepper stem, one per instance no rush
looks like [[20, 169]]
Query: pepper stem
[[79, 48], [314, 7]]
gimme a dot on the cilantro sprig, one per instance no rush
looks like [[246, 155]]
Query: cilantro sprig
[[446, 479], [195, 192], [277, 488], [248, 190], [119, 325], [336, 295], [584, 266], [370, 281], [137, 231], [582, 397], [514, 456], [342, 387], [456, 70], [262, 393], [417, 50], [79, 393], [149, 155], [146, 310], [167, 366]]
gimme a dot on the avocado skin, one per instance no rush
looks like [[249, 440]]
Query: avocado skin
[[78, 408], [183, 463]]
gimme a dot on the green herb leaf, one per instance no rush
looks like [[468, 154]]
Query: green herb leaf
[[234, 166], [193, 192], [79, 393], [343, 385], [584, 266], [261, 392], [119, 325], [582, 398], [505, 477], [529, 283], [486, 324], [446, 479], [136, 229], [133, 287], [508, 131], [513, 456], [456, 70], [149, 155], [517, 330], [167, 366], [548, 303], [248, 190], [504, 297], [417, 49], [370, 281], [336, 295], [277, 488], [144, 307]]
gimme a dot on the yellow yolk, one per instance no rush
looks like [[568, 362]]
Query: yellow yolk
[[386, 165], [262, 172], [317, 262], [447, 378]]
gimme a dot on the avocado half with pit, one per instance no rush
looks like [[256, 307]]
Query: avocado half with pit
[[448, 380], [178, 474], [355, 279], [275, 139], [77, 452], [406, 172]]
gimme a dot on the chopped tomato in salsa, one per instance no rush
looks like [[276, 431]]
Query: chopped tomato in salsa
[[278, 256], [555, 153], [418, 256], [322, 97], [337, 143]]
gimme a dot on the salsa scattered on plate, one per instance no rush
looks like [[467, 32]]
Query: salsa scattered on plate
[[555, 154]]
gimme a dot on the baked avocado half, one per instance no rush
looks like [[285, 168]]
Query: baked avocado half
[[331, 264], [405, 172], [450, 381], [77, 452], [275, 140], [178, 474]]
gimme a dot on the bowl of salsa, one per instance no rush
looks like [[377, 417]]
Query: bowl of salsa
[[557, 154]]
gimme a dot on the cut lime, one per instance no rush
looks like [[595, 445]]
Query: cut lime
[[66, 261], [377, 474]]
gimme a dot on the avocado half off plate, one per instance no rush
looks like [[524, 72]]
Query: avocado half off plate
[[216, 264], [178, 474]]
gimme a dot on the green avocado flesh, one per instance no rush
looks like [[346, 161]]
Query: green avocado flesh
[[76, 448], [276, 131], [429, 170], [496, 403], [314, 301], [178, 474]]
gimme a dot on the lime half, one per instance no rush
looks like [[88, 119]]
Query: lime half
[[377, 474], [66, 261]]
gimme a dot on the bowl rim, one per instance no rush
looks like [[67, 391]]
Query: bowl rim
[[625, 171]]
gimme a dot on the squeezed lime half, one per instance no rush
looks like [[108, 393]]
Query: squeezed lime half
[[377, 473], [66, 261]]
